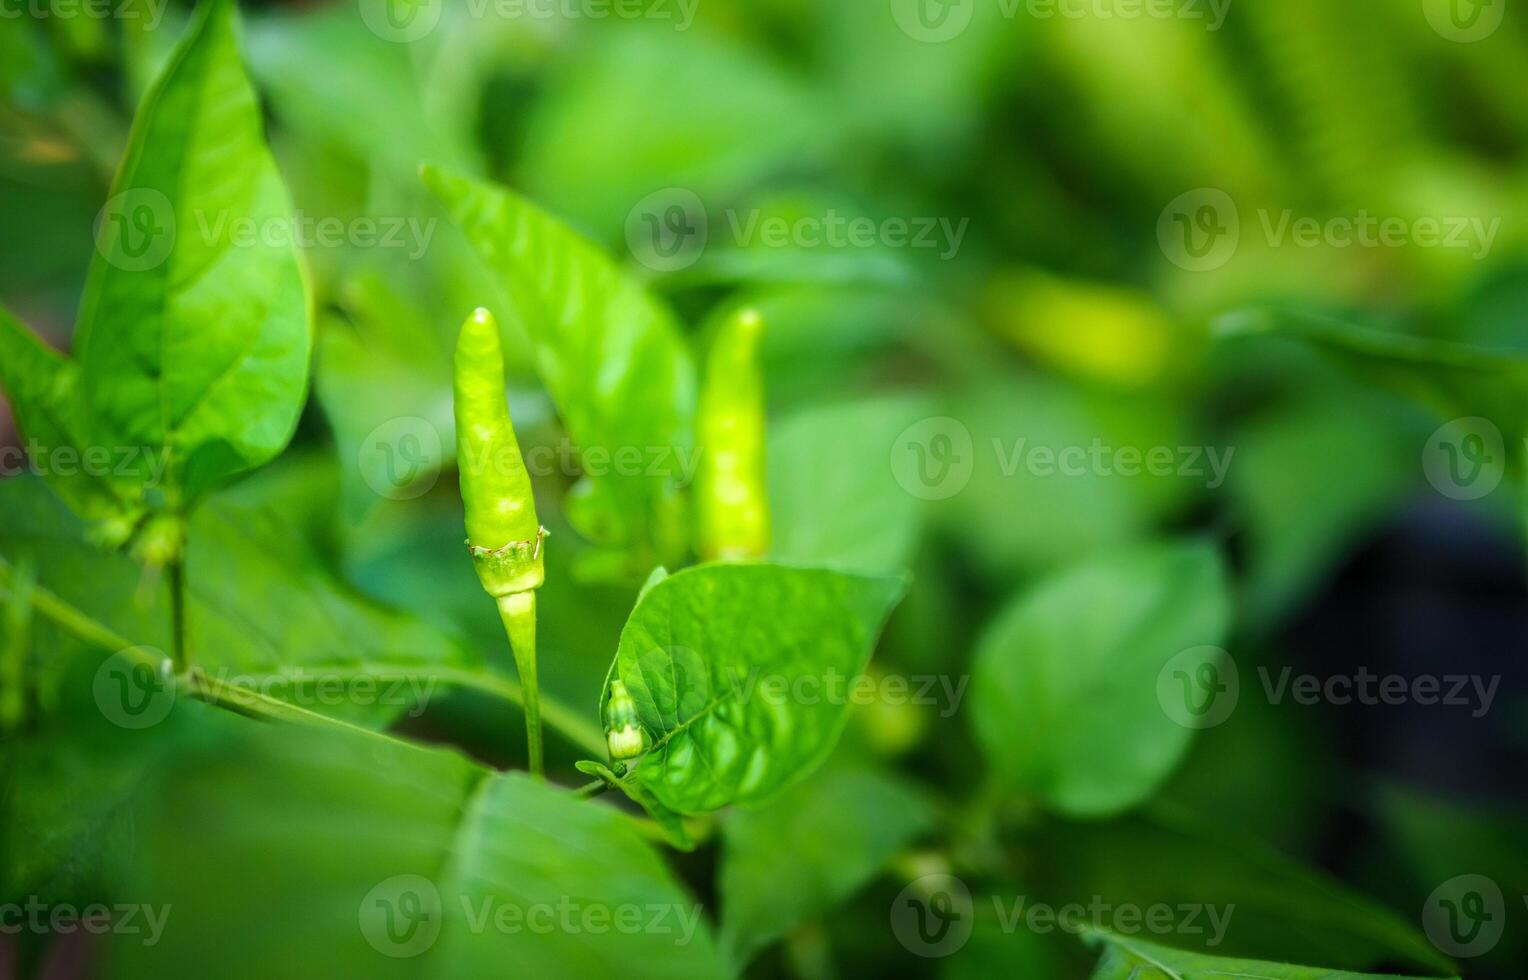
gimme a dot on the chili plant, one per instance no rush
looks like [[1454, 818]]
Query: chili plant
[[797, 661]]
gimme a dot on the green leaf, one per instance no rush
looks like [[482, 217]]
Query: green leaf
[[840, 827], [740, 671], [44, 390], [1064, 688], [612, 357], [193, 339], [834, 497], [1135, 959], [379, 859]]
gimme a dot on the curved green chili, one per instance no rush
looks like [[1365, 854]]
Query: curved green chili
[[732, 499], [503, 535]]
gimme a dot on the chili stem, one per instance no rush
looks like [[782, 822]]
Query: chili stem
[[518, 611], [178, 654]]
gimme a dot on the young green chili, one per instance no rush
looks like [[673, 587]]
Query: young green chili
[[503, 534], [732, 500]]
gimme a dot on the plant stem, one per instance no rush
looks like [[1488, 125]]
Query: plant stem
[[592, 789], [563, 719], [571, 725], [178, 654], [518, 611]]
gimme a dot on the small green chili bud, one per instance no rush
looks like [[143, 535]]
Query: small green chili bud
[[731, 494], [502, 531], [624, 735], [503, 534]]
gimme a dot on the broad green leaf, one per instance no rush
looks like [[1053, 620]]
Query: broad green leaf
[[839, 828], [834, 498], [1249, 900], [194, 331], [1135, 959], [379, 859], [741, 675], [44, 391], [612, 357], [1065, 685]]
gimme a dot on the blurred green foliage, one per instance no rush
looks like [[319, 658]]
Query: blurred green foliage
[[924, 400]]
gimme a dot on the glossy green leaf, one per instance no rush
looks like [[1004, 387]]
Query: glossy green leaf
[[612, 358], [194, 331], [741, 672], [839, 828], [1065, 686], [1135, 959], [383, 860]]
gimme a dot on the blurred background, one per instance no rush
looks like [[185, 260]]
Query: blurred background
[[1003, 249]]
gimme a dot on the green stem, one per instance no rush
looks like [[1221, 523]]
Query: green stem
[[518, 611], [239, 699], [178, 654], [593, 789], [571, 725]]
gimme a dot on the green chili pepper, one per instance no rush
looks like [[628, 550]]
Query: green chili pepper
[[503, 534], [624, 736], [731, 495]]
